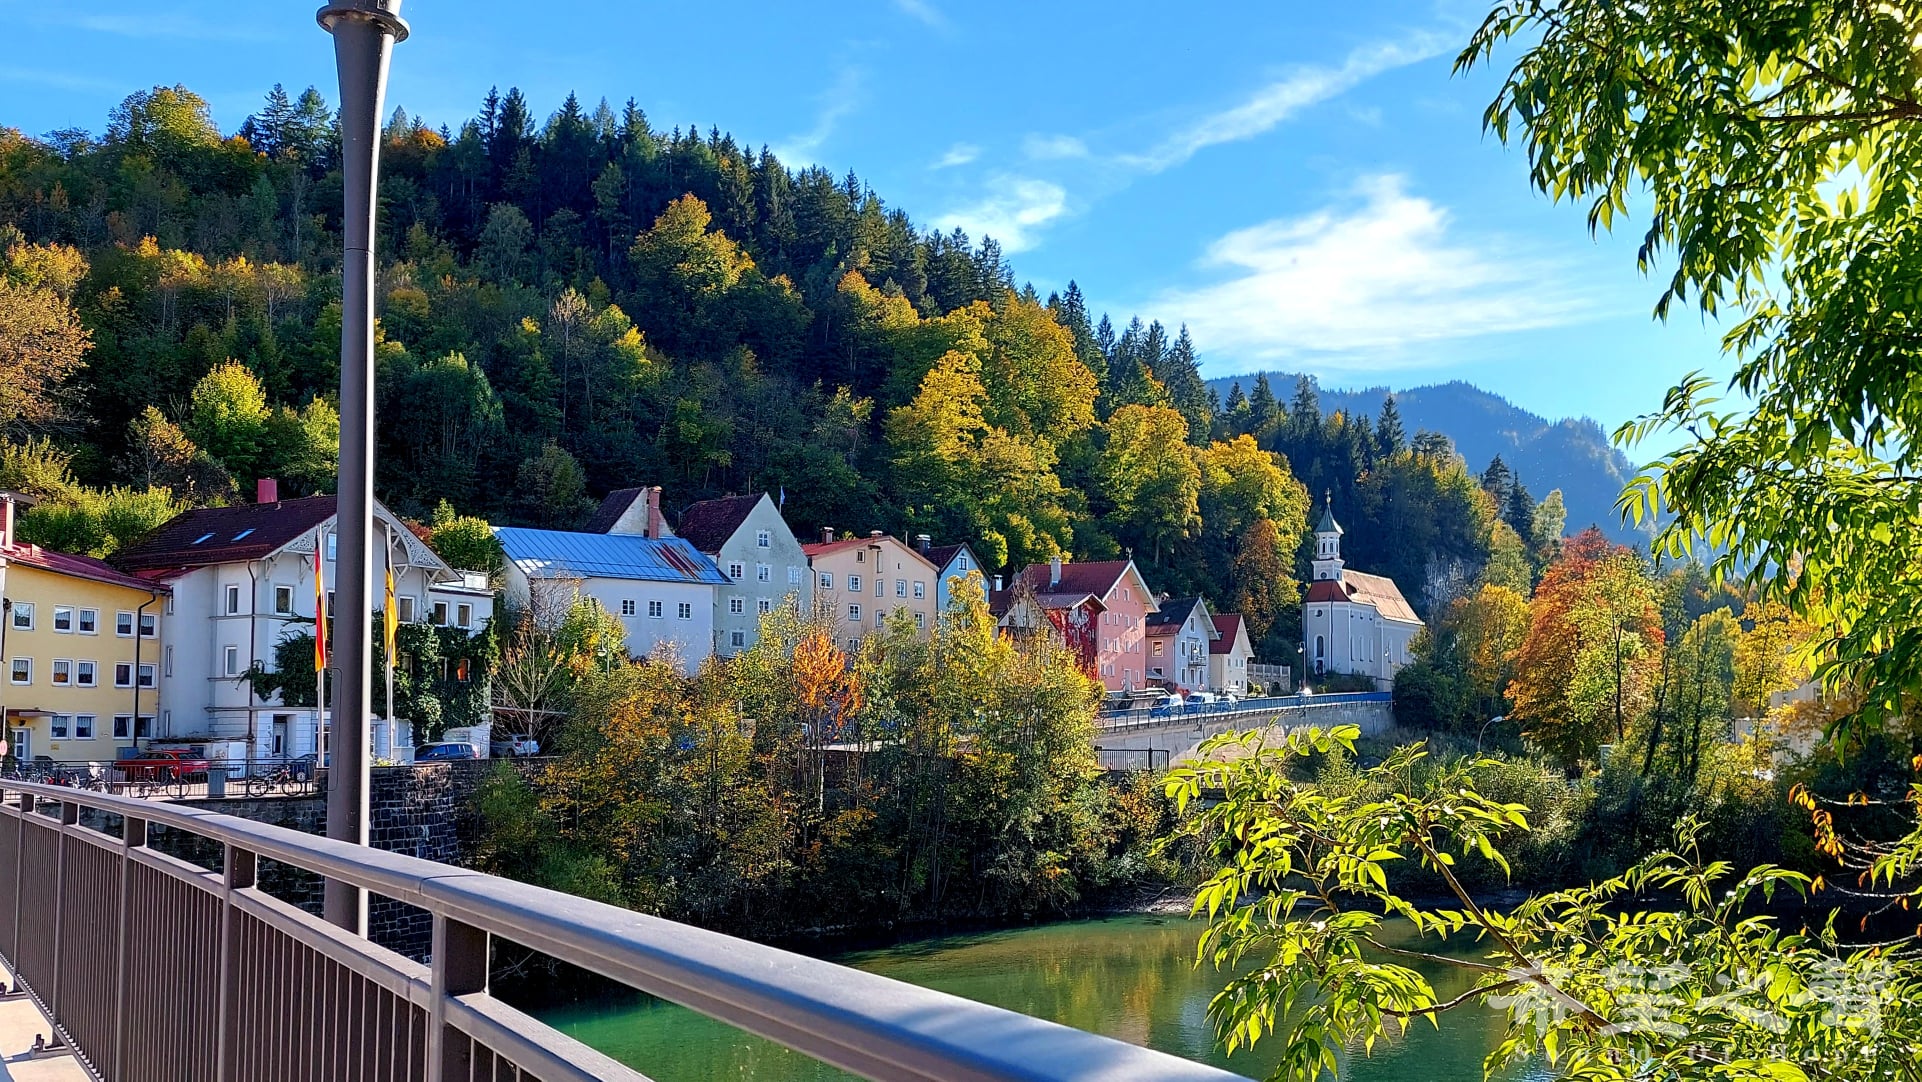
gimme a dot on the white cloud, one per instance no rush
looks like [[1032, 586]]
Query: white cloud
[[1053, 147], [958, 154], [1362, 286], [837, 102], [1014, 211], [923, 11], [1283, 98]]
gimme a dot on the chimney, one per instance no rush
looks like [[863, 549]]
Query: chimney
[[923, 542], [998, 587], [827, 535], [654, 523], [1054, 571], [874, 535], [266, 490], [6, 519]]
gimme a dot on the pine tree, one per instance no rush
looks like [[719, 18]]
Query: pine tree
[[1389, 436], [1180, 373], [1263, 410], [1499, 481]]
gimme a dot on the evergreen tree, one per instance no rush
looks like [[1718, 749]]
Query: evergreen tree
[[1388, 429], [1264, 412]]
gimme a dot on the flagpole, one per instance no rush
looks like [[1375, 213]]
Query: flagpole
[[388, 618]]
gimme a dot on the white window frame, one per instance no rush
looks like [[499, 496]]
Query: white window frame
[[229, 661], [765, 605], [826, 581], [123, 624], [87, 621], [123, 726], [656, 610], [854, 584], [628, 607], [920, 621], [440, 614], [464, 614], [60, 673], [900, 587], [737, 606], [406, 605], [764, 572], [737, 639], [283, 601], [920, 589], [58, 726], [14, 668], [149, 625], [763, 539], [123, 674], [685, 610], [793, 575], [23, 616], [58, 612], [86, 674], [736, 570], [854, 613], [88, 721], [233, 599]]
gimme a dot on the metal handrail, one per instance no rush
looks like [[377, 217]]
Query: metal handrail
[[861, 1022], [1152, 717]]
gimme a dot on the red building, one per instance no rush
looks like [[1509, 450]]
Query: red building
[[1099, 609]]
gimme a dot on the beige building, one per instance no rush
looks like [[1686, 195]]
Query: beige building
[[864, 579]]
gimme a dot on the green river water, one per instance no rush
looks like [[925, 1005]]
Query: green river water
[[1128, 977]]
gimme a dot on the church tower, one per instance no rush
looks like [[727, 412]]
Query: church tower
[[1328, 543]]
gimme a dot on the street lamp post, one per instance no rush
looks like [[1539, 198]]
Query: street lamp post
[[364, 35]]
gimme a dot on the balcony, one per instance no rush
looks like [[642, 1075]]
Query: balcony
[[154, 969]]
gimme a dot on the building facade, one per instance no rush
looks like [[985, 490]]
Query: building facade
[[1179, 634], [1121, 651], [662, 589], [1352, 623], [80, 645], [242, 582], [951, 562], [862, 580], [1229, 654], [761, 559], [1073, 620]]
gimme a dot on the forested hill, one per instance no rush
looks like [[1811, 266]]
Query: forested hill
[[1572, 454], [588, 302]]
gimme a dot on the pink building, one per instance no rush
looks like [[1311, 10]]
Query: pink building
[[1120, 629]]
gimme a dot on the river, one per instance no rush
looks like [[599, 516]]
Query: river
[[1128, 977]]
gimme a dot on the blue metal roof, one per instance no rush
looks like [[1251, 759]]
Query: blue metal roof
[[559, 554]]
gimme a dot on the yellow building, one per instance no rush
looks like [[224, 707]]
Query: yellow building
[[864, 579], [80, 652]]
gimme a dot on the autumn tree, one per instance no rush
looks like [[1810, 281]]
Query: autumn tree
[[42, 344], [1149, 477]]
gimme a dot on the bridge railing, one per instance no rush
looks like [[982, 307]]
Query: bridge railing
[[158, 970], [1150, 717]]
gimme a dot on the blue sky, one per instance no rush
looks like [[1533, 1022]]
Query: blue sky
[[1306, 186]]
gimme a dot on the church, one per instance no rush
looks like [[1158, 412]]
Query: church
[[1352, 622]]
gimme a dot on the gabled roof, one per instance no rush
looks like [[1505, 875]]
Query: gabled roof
[[1228, 628], [829, 548], [709, 524], [1174, 612], [562, 554], [943, 555], [612, 508], [1097, 577], [80, 567], [1365, 589], [218, 535]]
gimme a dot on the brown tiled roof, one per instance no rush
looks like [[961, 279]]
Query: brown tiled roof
[[1365, 589], [611, 509], [709, 523], [1227, 625], [828, 548], [1098, 577], [214, 535], [84, 567]]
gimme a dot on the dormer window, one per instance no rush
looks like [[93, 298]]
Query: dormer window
[[203, 538]]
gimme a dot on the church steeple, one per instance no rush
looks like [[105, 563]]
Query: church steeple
[[1328, 532]]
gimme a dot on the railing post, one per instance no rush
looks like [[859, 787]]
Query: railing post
[[240, 866], [133, 835], [459, 968], [69, 815], [20, 847]]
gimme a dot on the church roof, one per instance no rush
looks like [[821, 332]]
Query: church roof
[[1364, 589], [1328, 523]]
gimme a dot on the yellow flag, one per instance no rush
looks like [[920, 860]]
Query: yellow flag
[[390, 618]]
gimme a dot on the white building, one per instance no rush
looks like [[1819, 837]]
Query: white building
[[747, 539], [1179, 635], [662, 588], [1352, 622], [1229, 654], [243, 580]]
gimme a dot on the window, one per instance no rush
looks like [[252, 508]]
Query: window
[[920, 589], [23, 616], [233, 601], [880, 586], [854, 613], [170, 659], [330, 606], [685, 611], [736, 606], [628, 608], [901, 588], [406, 609], [22, 671], [123, 726], [654, 609], [1157, 649], [86, 674], [736, 571], [58, 726], [90, 621], [230, 664], [62, 672], [793, 575], [961, 562], [920, 621], [737, 639], [150, 624], [332, 539], [83, 726], [143, 727], [763, 573], [762, 539], [853, 645], [1127, 594], [765, 605], [123, 674], [826, 581], [861, 556], [63, 619], [879, 617], [123, 624], [283, 601], [854, 584], [464, 615], [440, 613]]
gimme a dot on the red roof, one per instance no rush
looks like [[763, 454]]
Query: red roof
[[827, 548], [1364, 589], [1098, 577], [1227, 628], [707, 525], [218, 535], [84, 567]]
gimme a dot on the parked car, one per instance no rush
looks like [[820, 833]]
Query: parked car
[[514, 747], [445, 752], [1202, 698], [164, 764]]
